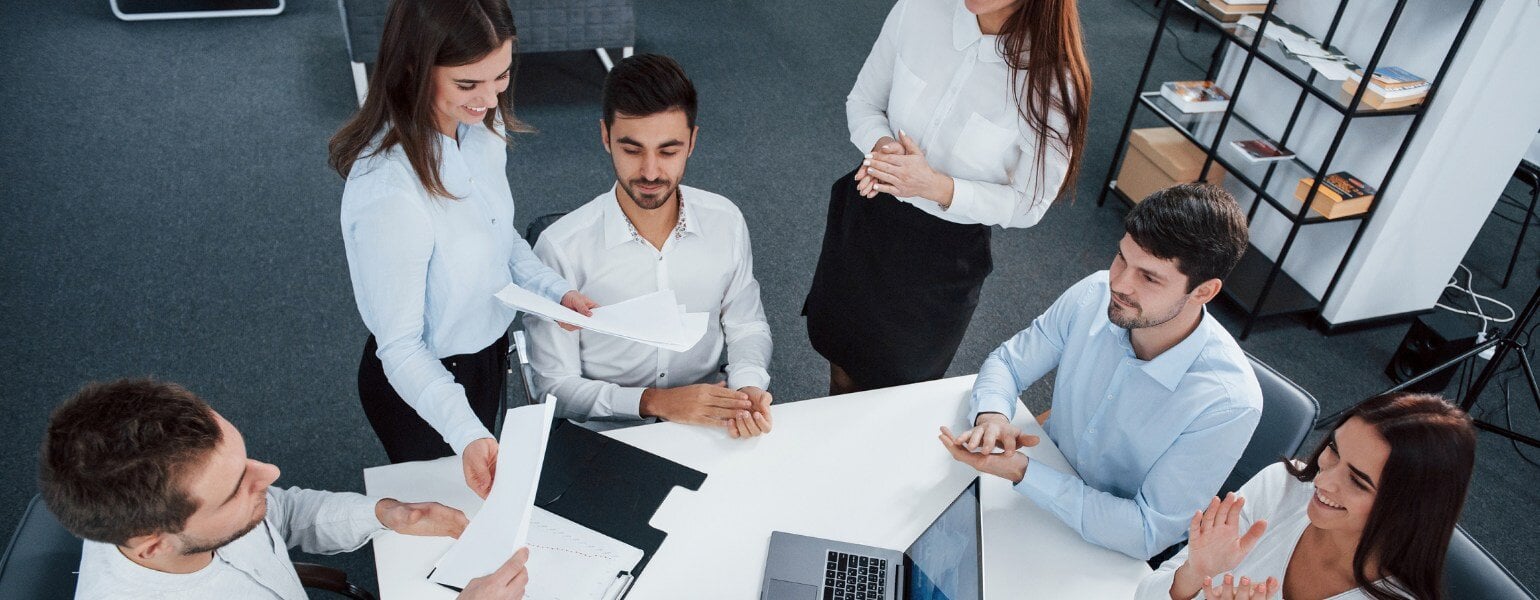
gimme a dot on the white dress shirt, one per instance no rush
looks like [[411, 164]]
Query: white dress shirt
[[1282, 500], [709, 265], [255, 566], [425, 269], [933, 75]]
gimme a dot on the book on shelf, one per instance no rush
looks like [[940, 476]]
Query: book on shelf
[[1394, 83], [1377, 100], [1230, 12], [1195, 96], [1261, 150], [1340, 195]]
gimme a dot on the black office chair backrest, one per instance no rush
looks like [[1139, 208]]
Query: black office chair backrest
[[42, 559], [539, 225], [1288, 412], [1471, 572], [363, 24]]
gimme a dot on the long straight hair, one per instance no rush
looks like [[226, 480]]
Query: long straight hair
[[420, 35], [1420, 493], [1042, 44]]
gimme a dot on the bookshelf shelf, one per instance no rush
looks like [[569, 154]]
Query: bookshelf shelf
[[1258, 285]]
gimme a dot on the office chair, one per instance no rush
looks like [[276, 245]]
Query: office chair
[[518, 350], [41, 562], [1471, 572], [1288, 412], [542, 26]]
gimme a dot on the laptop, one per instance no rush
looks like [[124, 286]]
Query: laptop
[[946, 563]]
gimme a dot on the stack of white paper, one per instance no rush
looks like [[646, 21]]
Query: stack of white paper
[[568, 561], [656, 319], [501, 526]]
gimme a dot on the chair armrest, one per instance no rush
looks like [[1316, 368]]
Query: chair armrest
[[331, 580]]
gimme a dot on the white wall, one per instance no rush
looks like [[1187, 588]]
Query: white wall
[[1484, 118]]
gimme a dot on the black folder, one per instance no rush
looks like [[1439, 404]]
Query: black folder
[[609, 486]]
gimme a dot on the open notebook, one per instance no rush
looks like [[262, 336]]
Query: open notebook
[[568, 561]]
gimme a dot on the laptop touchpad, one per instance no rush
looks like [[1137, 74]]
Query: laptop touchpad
[[787, 590]]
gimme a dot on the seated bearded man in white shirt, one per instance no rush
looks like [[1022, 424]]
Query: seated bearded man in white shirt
[[646, 234], [171, 507]]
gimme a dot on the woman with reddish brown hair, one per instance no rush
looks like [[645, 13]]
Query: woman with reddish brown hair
[[973, 113], [427, 222], [1368, 517]]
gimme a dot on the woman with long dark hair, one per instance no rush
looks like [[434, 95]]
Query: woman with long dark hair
[[427, 221], [973, 113], [1369, 516]]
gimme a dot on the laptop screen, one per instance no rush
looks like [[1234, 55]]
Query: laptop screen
[[944, 563]]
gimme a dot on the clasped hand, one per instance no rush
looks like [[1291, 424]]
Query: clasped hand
[[743, 413], [898, 167], [976, 447]]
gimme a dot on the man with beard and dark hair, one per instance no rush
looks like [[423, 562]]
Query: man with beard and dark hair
[[645, 234], [171, 507], [1153, 401]]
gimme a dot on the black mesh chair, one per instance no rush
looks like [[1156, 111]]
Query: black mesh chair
[[41, 562]]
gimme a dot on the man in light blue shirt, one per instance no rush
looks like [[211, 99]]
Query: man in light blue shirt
[[1153, 401]]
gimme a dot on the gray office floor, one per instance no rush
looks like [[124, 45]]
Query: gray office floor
[[166, 210]]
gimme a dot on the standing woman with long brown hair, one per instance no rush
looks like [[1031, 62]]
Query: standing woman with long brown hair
[[973, 113], [427, 221]]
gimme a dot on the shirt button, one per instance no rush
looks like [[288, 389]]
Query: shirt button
[[662, 375]]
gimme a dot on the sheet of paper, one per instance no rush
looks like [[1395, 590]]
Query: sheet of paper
[[502, 525], [568, 561], [654, 319]]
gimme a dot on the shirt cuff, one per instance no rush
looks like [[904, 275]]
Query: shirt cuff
[[463, 435], [628, 402], [866, 138], [963, 198], [991, 404], [1042, 484], [742, 377], [359, 512], [557, 289]]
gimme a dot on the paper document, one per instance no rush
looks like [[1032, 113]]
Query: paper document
[[568, 561], [501, 527], [655, 319]]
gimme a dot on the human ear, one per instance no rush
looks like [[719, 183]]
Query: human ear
[[1207, 290], [694, 133], [604, 136], [150, 547]]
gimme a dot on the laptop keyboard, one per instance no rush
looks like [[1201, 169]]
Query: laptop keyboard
[[854, 577]]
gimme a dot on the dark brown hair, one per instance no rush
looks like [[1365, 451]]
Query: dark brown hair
[[648, 84], [1420, 492], [420, 35], [1198, 224], [1042, 44], [116, 455]]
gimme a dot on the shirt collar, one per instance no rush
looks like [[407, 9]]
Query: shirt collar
[[619, 230], [1169, 368], [965, 33]]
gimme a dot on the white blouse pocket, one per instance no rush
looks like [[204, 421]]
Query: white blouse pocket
[[904, 97], [985, 151]]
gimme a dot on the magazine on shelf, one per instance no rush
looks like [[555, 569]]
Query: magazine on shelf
[[1394, 83], [1299, 45], [1195, 96], [1261, 150]]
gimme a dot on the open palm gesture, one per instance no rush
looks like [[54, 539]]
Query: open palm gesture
[[1215, 544]]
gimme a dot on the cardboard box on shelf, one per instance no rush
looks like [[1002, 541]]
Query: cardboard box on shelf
[[1158, 158]]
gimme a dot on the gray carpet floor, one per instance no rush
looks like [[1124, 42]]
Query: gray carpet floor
[[166, 210]]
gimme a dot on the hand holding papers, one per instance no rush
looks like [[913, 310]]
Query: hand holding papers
[[502, 525], [656, 319]]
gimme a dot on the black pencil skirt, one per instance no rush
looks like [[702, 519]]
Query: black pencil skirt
[[405, 435], [895, 288]]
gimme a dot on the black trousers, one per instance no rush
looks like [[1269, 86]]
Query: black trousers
[[405, 435], [895, 288]]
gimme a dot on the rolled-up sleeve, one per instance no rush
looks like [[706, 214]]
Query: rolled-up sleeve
[[392, 239]]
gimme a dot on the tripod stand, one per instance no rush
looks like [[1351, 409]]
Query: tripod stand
[[1501, 346]]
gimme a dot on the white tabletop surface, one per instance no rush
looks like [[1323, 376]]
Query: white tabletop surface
[[864, 468]]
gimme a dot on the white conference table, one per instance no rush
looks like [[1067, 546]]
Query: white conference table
[[864, 468]]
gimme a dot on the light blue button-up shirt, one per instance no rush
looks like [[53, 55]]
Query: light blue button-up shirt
[[1150, 441], [425, 269]]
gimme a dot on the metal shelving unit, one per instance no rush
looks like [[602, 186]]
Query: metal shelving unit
[[1258, 285]]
